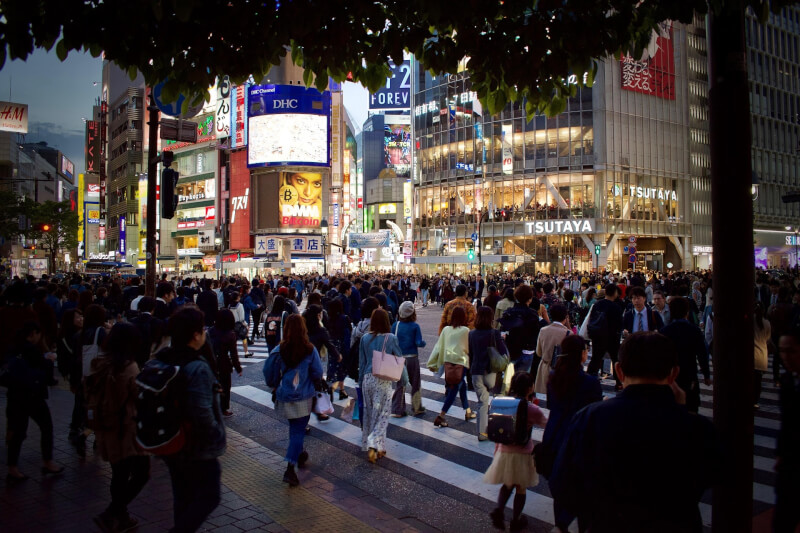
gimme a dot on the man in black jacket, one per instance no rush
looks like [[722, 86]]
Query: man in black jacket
[[605, 326], [208, 302], [639, 461], [639, 317], [258, 296], [691, 348], [522, 324]]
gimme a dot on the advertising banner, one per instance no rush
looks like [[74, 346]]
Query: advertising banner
[[92, 213], [654, 72], [239, 116], [239, 202], [288, 125], [506, 141], [205, 239], [13, 117], [67, 168], [92, 149], [336, 215], [122, 248], [299, 244], [223, 117], [300, 199], [397, 148], [380, 239], [81, 213], [205, 133], [396, 93], [407, 201]]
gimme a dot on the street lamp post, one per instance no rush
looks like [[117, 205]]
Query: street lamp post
[[324, 227], [218, 246]]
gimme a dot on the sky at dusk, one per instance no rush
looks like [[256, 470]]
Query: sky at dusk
[[60, 95]]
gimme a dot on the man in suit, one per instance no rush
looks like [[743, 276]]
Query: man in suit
[[478, 286], [608, 340], [208, 303], [787, 465], [639, 461], [761, 290], [640, 318]]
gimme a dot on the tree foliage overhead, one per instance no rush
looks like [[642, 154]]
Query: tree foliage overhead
[[516, 48]]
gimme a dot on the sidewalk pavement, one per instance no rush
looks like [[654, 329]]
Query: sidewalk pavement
[[254, 497]]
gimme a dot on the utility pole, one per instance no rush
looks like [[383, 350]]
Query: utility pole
[[732, 237], [152, 176]]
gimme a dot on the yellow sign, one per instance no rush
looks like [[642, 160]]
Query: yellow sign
[[387, 209], [94, 216], [300, 199]]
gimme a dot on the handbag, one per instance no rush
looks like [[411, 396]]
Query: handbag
[[584, 329], [241, 330], [453, 374], [497, 361], [322, 403], [387, 366]]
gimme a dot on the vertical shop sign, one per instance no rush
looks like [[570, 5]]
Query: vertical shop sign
[[506, 140]]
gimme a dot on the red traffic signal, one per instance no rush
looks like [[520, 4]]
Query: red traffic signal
[[43, 226]]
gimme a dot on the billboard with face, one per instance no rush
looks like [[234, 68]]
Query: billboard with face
[[300, 199]]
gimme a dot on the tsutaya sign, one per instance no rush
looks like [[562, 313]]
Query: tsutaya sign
[[560, 227], [655, 193]]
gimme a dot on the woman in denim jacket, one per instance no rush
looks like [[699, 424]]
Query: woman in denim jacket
[[300, 368]]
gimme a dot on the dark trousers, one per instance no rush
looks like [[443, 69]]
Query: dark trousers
[[399, 396], [256, 321], [128, 477], [195, 491], [225, 395], [758, 377], [776, 367], [297, 434], [18, 411], [692, 390], [599, 348], [78, 411]]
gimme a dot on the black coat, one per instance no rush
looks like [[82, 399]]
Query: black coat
[[654, 320], [637, 462], [209, 304]]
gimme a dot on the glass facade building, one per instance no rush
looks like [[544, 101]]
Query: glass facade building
[[612, 170]]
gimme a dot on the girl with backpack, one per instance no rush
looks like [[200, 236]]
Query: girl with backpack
[[240, 322], [512, 464], [111, 393], [273, 322], [223, 342], [300, 368]]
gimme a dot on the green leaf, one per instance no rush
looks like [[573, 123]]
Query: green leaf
[[308, 77], [321, 82], [61, 50], [132, 72]]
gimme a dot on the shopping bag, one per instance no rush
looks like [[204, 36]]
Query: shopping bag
[[322, 404], [507, 378], [349, 409]]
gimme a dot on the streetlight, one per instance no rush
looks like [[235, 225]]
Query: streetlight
[[324, 226], [218, 246]]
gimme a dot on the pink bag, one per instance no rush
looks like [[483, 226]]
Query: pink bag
[[387, 366]]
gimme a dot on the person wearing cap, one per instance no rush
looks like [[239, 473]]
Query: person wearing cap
[[292, 307], [409, 336]]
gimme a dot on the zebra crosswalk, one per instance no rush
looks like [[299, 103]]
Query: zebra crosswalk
[[455, 456]]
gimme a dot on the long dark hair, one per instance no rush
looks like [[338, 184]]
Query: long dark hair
[[295, 345], [278, 305], [122, 345], [565, 376], [311, 315]]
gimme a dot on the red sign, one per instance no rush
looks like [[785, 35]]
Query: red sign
[[101, 233], [360, 204], [654, 74], [240, 118], [92, 146], [240, 237], [230, 258], [209, 261], [190, 225], [93, 188], [211, 212]]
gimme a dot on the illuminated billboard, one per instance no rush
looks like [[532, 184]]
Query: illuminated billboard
[[397, 148], [288, 125], [300, 199], [654, 73]]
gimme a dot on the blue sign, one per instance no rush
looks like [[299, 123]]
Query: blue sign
[[122, 235], [379, 239], [474, 237], [396, 92], [336, 215], [174, 109], [288, 125]]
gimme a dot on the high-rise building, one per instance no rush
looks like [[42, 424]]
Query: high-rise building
[[773, 65], [611, 174]]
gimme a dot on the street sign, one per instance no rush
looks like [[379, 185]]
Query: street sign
[[631, 249], [632, 239], [474, 237], [174, 109], [632, 258], [148, 255], [625, 250]]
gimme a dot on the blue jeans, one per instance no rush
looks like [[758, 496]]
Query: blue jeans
[[297, 432], [453, 391], [424, 296]]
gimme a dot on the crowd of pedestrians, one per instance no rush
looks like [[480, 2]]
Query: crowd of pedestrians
[[550, 334]]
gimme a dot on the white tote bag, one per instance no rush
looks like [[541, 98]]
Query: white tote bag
[[584, 331], [90, 353], [387, 366]]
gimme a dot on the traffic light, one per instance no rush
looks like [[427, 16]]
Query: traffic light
[[169, 194], [43, 226], [471, 252], [596, 249]]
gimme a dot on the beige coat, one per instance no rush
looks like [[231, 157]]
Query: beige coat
[[549, 337], [120, 442], [761, 338]]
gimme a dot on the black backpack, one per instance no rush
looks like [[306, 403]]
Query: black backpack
[[508, 421], [598, 324], [159, 420]]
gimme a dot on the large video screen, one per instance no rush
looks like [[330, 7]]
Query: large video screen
[[288, 139], [397, 148]]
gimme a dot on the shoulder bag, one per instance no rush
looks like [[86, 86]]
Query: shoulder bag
[[387, 366], [497, 361], [90, 353]]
